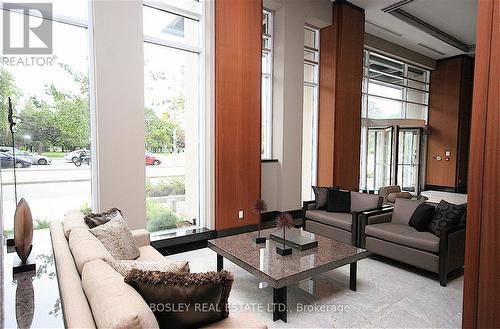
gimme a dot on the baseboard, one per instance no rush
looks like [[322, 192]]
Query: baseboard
[[450, 189]]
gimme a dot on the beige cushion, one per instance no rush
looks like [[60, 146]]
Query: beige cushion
[[238, 320], [403, 209], [149, 253], [125, 266], [85, 247], [141, 237], [364, 201], [77, 313], [386, 190], [73, 219], [117, 238], [114, 303], [403, 195], [405, 235], [337, 219]]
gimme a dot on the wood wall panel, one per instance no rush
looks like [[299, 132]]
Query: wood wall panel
[[482, 258], [449, 121], [341, 70], [238, 28]]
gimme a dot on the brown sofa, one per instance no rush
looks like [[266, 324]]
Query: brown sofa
[[387, 233], [339, 226], [93, 294]]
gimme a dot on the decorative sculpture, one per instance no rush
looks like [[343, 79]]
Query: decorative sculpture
[[258, 207], [284, 220], [23, 222]]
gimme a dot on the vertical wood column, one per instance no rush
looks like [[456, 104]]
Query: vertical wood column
[[238, 42], [340, 79], [482, 258]]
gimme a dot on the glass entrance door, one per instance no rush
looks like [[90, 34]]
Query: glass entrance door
[[408, 163], [379, 158]]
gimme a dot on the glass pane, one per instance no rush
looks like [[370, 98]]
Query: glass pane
[[385, 90], [380, 108], [266, 116], [414, 111], [172, 137], [386, 65], [266, 22], [266, 43], [309, 109], [408, 161], [418, 74], [310, 38], [266, 63], [378, 76], [189, 5], [170, 27], [418, 85], [310, 55], [417, 96], [309, 75], [52, 103]]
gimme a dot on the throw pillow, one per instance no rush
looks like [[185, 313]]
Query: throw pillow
[[93, 220], [198, 298], [117, 238], [125, 266], [422, 216], [339, 201], [447, 215], [320, 196]]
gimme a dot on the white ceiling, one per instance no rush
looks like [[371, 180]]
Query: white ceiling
[[454, 17]]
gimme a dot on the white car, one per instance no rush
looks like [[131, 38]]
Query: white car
[[34, 158], [74, 155]]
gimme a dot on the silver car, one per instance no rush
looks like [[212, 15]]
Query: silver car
[[34, 158]]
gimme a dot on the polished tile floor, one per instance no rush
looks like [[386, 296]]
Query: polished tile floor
[[389, 295]]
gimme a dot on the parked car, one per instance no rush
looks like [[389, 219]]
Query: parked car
[[7, 161], [34, 158], [75, 155], [151, 160]]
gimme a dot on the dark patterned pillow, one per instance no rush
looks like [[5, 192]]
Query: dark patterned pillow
[[93, 220], [321, 196], [447, 215]]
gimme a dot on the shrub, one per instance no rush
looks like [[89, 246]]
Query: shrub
[[160, 217], [85, 209], [41, 224], [166, 186]]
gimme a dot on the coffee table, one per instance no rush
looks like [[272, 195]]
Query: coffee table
[[281, 271]]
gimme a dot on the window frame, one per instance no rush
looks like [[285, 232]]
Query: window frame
[[267, 111]]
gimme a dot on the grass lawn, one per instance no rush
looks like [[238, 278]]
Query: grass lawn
[[55, 155]]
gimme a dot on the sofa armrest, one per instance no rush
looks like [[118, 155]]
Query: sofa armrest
[[370, 217], [451, 250], [141, 237], [307, 205]]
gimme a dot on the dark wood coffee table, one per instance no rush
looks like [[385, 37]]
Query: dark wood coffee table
[[281, 271]]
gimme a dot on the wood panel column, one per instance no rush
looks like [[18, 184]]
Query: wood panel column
[[340, 79], [482, 257], [238, 40]]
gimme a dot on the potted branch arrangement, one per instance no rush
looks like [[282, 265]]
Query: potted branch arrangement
[[283, 221], [258, 207]]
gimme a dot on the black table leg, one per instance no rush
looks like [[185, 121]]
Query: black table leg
[[220, 263], [352, 278], [279, 304]]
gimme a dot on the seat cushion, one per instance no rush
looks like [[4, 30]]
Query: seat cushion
[[403, 209], [337, 219], [85, 247], [73, 219], [114, 303], [364, 201], [404, 235]]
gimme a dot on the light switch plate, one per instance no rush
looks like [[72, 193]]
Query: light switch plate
[[240, 214]]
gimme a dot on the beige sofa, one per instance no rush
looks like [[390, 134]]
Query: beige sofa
[[93, 294]]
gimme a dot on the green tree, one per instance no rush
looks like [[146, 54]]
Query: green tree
[[8, 88], [158, 132]]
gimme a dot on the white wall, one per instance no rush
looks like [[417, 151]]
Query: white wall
[[281, 182], [118, 120]]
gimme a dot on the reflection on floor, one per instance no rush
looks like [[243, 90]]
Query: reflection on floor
[[436, 196], [389, 294]]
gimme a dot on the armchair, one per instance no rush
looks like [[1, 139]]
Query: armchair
[[386, 232]]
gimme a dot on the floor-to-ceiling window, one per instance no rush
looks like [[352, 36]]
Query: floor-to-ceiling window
[[267, 84], [394, 114], [310, 110], [50, 96], [173, 138]]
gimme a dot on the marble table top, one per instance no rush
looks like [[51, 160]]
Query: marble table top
[[279, 271], [31, 299]]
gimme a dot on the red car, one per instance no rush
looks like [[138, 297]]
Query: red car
[[151, 160]]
